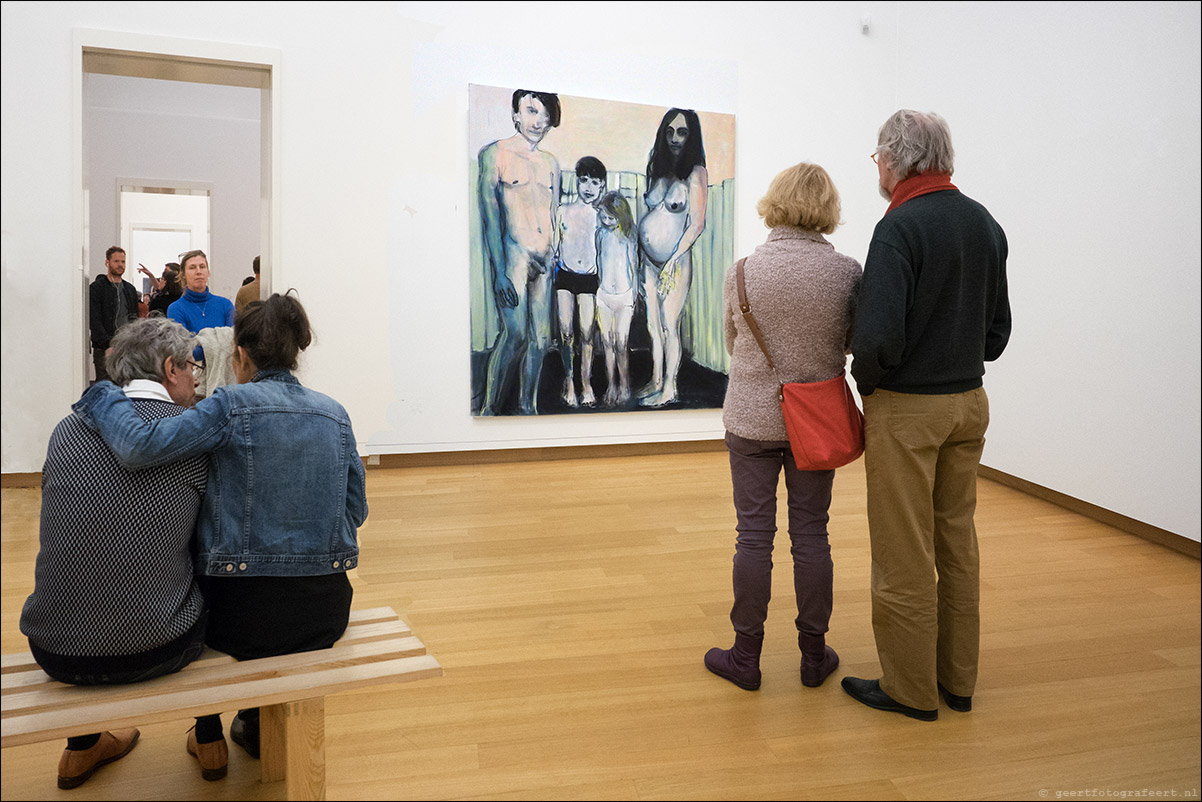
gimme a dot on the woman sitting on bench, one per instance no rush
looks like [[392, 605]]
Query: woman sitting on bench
[[114, 598], [286, 494]]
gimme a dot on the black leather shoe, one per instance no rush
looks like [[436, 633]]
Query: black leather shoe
[[868, 691], [245, 736], [961, 704]]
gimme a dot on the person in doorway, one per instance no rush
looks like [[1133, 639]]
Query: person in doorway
[[198, 308], [171, 291], [933, 309], [272, 554], [112, 302], [249, 291], [156, 284], [519, 198], [114, 597]]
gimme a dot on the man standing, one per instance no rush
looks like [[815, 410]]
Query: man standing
[[249, 292], [519, 198], [933, 308], [112, 302]]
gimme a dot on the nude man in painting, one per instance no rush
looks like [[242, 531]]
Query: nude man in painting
[[519, 197]]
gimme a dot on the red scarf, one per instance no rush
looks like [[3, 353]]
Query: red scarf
[[921, 184]]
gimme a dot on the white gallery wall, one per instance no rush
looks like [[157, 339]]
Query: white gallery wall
[[1076, 124]]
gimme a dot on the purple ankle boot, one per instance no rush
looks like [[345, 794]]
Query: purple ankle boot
[[817, 659], [740, 663]]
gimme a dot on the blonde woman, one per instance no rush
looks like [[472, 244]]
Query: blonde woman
[[802, 293]]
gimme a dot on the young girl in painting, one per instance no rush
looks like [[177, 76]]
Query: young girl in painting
[[617, 257]]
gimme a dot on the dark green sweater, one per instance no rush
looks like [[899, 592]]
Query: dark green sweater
[[933, 306]]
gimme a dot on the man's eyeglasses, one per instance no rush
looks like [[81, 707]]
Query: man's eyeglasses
[[873, 157], [197, 368]]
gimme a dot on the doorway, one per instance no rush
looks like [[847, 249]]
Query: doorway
[[157, 104]]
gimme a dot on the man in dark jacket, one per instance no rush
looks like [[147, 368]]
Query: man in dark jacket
[[112, 302], [932, 309]]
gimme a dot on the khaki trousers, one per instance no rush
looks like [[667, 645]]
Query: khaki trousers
[[921, 456]]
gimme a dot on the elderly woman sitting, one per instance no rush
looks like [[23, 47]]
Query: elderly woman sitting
[[97, 617]]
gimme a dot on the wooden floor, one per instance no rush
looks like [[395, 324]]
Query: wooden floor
[[571, 603]]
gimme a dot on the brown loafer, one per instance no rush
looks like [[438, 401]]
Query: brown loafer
[[214, 758], [74, 768]]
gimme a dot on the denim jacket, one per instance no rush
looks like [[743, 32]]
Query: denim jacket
[[286, 487]]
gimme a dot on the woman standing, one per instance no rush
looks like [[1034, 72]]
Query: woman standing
[[677, 192], [802, 294], [198, 308], [286, 495]]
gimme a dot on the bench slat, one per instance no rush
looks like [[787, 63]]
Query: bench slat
[[216, 679], [366, 626], [372, 614], [32, 674], [37, 727]]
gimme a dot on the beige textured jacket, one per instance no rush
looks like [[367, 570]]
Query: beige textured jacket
[[803, 294]]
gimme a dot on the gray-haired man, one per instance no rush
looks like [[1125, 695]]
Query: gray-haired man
[[114, 600], [932, 310]]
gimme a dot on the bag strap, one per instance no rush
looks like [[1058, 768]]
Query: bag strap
[[745, 308]]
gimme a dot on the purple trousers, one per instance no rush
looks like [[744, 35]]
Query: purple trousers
[[755, 467]]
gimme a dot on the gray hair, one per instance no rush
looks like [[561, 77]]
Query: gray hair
[[141, 346], [915, 143]]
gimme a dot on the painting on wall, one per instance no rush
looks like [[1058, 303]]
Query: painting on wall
[[600, 235]]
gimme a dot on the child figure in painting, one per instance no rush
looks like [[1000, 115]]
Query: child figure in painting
[[576, 279], [617, 259]]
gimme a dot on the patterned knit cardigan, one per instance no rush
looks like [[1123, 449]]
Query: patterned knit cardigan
[[802, 293]]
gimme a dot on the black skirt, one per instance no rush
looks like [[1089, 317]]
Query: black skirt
[[264, 616]]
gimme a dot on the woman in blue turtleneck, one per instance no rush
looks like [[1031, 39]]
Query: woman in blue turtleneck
[[198, 308]]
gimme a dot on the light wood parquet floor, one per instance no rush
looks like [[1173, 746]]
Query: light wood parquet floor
[[571, 603]]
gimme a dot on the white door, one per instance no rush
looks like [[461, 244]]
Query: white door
[[158, 224]]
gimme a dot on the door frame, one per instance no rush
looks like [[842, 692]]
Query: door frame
[[192, 60]]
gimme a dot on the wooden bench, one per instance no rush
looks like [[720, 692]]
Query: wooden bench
[[291, 689]]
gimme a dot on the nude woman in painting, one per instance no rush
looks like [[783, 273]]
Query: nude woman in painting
[[677, 190]]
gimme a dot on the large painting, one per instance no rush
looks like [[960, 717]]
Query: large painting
[[600, 235]]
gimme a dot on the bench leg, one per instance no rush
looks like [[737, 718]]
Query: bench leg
[[271, 743], [292, 747]]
